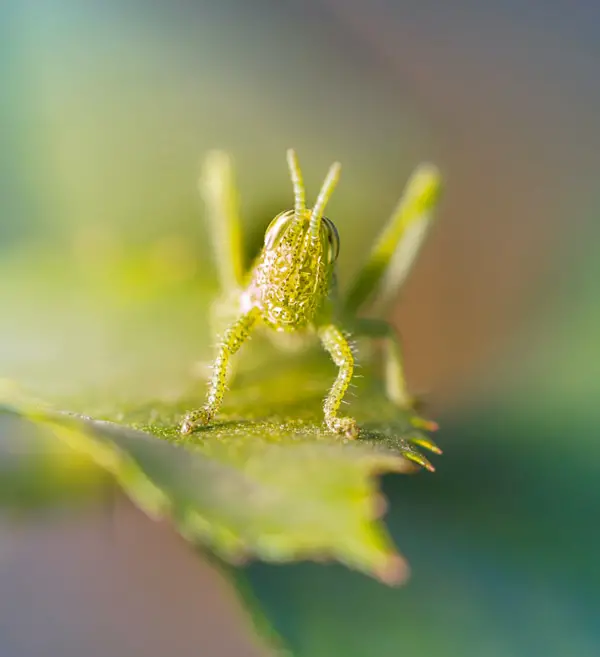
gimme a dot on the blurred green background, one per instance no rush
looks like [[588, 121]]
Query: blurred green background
[[107, 109]]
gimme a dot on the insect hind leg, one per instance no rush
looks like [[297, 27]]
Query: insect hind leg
[[219, 193]]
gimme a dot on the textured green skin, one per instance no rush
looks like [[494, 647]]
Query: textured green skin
[[291, 288], [290, 281]]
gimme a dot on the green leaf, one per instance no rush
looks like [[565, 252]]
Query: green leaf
[[268, 480]]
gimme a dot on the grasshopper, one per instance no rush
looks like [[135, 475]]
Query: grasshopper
[[291, 287]]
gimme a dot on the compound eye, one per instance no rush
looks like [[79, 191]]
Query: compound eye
[[277, 227], [333, 239]]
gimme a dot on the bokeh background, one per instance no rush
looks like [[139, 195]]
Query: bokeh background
[[107, 108]]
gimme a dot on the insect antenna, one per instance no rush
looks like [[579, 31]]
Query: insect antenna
[[324, 195], [297, 182]]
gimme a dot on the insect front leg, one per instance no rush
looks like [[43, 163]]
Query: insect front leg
[[336, 344], [233, 339], [395, 381]]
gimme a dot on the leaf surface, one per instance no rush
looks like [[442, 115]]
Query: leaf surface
[[267, 480]]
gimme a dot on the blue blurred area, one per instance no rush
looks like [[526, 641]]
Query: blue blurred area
[[106, 111]]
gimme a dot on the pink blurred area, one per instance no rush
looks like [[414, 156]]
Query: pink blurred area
[[113, 582]]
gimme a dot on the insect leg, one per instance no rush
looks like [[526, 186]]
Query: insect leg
[[395, 380], [218, 190], [233, 339], [336, 344], [398, 245]]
